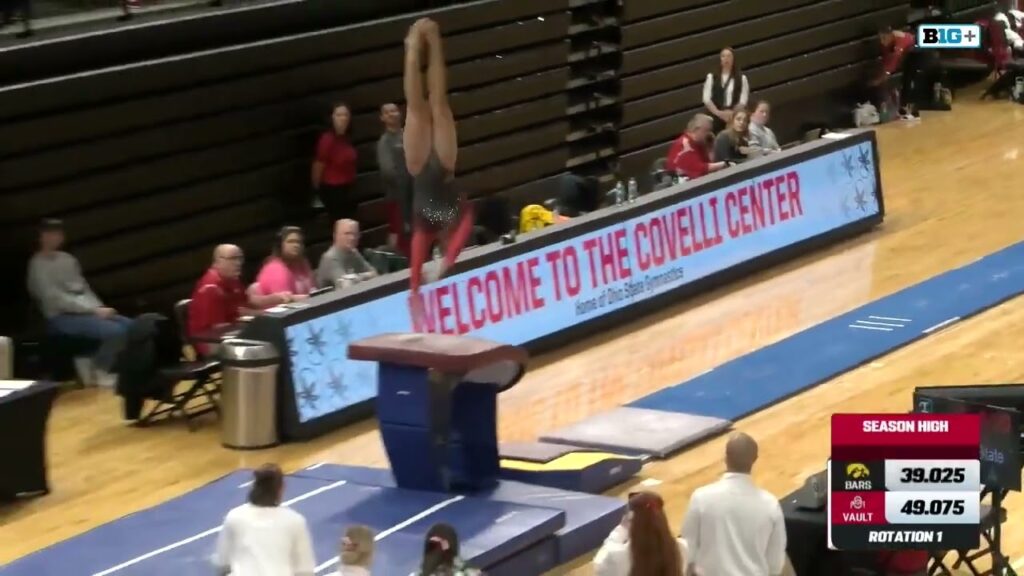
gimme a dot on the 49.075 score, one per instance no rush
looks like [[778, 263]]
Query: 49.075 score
[[932, 507]]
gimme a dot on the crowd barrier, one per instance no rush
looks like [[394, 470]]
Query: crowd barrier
[[569, 280]]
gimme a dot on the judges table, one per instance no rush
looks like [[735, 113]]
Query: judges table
[[574, 278], [807, 542], [24, 410]]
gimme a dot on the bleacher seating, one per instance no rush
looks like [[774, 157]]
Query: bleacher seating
[[152, 163], [169, 32], [803, 56]]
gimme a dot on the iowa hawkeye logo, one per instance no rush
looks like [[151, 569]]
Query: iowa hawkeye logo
[[857, 476]]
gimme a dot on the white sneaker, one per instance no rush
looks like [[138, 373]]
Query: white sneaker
[[86, 370], [106, 379]]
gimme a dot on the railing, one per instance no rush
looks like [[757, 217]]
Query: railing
[[37, 15]]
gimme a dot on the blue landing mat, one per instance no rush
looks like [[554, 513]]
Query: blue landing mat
[[771, 374], [588, 518], [178, 537]]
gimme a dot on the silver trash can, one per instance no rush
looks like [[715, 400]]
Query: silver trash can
[[6, 358], [248, 394]]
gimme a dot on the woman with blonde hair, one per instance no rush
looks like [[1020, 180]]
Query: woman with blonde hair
[[643, 544], [356, 551]]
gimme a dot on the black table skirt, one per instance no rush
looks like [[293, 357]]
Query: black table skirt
[[23, 418], [807, 542]]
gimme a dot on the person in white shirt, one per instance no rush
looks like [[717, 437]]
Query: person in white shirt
[[262, 537], [356, 551], [732, 527], [642, 545], [726, 91], [760, 136]]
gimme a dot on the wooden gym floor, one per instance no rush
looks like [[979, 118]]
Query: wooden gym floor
[[951, 198]]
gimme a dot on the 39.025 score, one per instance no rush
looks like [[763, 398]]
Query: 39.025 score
[[915, 475]]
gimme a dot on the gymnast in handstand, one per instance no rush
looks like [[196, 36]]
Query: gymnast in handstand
[[440, 212]]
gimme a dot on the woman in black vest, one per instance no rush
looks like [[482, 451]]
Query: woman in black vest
[[725, 91]]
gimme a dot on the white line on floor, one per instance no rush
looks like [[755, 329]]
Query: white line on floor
[[942, 324], [870, 323], [403, 524], [870, 327], [890, 319], [209, 532]]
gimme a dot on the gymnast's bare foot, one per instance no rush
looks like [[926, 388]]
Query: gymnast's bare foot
[[429, 27], [415, 38]]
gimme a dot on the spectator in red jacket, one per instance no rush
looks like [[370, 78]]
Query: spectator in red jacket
[[219, 298], [917, 67], [334, 167], [688, 156]]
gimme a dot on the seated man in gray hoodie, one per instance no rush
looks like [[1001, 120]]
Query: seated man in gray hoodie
[[70, 306]]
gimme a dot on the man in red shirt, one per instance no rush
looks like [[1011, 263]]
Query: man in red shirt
[[688, 156], [219, 298], [918, 69]]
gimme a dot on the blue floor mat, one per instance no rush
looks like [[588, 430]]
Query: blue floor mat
[[178, 538], [588, 518], [774, 373]]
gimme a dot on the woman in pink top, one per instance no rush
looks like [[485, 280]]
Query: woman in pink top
[[286, 276]]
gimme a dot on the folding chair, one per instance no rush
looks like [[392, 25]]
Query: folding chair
[[989, 518], [937, 564], [203, 374], [1007, 68]]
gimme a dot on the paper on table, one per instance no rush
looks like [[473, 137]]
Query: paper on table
[[6, 392], [15, 384], [836, 135]]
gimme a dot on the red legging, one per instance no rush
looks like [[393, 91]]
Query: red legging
[[423, 237]]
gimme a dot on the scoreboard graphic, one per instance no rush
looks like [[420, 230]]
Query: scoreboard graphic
[[904, 481]]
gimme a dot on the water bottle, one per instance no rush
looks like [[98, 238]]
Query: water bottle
[[620, 194], [1018, 89], [937, 92], [633, 191], [437, 253]]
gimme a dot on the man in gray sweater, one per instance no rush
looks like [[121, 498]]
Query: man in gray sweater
[[395, 178], [70, 306], [343, 261]]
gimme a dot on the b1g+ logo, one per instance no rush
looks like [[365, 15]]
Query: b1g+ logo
[[949, 36]]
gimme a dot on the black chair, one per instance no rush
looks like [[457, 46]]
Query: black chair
[[202, 373], [989, 518], [56, 352]]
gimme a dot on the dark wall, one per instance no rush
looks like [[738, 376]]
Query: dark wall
[[803, 56], [146, 38], [151, 164]]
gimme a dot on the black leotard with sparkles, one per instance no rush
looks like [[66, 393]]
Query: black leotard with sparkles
[[435, 199]]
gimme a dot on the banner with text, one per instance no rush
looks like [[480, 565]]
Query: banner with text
[[557, 286]]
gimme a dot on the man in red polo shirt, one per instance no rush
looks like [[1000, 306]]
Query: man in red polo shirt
[[219, 298], [688, 156]]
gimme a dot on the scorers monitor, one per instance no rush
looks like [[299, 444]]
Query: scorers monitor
[[904, 481]]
